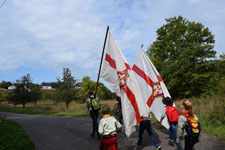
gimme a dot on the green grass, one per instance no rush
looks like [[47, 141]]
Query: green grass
[[50, 113], [50, 108], [13, 137]]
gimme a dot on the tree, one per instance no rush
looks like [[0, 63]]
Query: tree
[[5, 84], [3, 95], [67, 88], [35, 93], [24, 92], [89, 85], [181, 54]]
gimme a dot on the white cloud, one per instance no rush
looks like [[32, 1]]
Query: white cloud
[[53, 33]]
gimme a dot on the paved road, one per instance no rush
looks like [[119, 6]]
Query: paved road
[[73, 133]]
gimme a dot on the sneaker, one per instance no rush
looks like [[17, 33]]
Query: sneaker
[[137, 145], [158, 147], [170, 142], [179, 147]]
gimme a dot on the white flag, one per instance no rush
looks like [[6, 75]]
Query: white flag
[[118, 74], [153, 88]]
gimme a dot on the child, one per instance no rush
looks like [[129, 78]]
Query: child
[[146, 124], [188, 126], [172, 115], [108, 126]]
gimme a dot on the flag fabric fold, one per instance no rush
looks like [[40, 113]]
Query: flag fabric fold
[[118, 74], [152, 86]]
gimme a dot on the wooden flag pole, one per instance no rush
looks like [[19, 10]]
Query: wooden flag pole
[[100, 66]]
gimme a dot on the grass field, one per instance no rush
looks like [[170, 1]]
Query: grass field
[[13, 137], [50, 108]]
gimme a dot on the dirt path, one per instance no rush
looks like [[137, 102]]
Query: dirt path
[[73, 133]]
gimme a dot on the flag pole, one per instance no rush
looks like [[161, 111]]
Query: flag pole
[[100, 66]]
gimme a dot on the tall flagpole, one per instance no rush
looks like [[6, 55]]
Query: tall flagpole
[[100, 66]]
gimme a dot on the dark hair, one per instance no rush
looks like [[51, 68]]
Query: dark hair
[[118, 98], [90, 93], [105, 109], [167, 101]]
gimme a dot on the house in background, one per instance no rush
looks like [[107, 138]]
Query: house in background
[[46, 86], [12, 87]]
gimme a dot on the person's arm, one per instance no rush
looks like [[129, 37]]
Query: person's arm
[[163, 115], [100, 127], [88, 103], [180, 129], [118, 125]]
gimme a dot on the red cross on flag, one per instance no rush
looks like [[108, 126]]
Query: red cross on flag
[[153, 88], [118, 74]]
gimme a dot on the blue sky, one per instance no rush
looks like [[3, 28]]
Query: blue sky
[[41, 37]]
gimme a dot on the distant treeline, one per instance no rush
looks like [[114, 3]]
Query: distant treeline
[[65, 90]]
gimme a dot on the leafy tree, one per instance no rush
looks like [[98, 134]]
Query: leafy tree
[[35, 93], [67, 87], [24, 92], [5, 84], [182, 53], [3, 95], [87, 84], [219, 86], [49, 95]]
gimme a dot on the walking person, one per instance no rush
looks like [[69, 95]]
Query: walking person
[[146, 125], [108, 126], [93, 106], [172, 114], [188, 126], [118, 109]]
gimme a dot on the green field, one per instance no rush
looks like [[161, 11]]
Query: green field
[[13, 137], [51, 108]]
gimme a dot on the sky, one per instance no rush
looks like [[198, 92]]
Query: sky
[[41, 37]]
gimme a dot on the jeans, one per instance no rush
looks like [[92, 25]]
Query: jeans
[[94, 117], [190, 141], [173, 132], [146, 124]]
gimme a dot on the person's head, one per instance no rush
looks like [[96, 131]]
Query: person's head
[[105, 109], [186, 105], [90, 93], [167, 101], [118, 99]]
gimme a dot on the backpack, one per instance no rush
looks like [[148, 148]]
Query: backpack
[[192, 126], [95, 104], [172, 114]]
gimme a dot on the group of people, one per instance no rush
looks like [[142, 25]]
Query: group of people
[[184, 125]]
